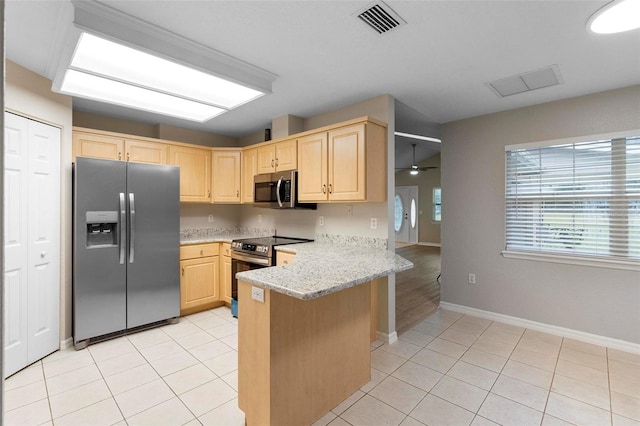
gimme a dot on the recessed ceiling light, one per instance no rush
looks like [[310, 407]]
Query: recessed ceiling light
[[616, 17]]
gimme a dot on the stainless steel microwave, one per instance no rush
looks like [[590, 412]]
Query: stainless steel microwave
[[278, 191]]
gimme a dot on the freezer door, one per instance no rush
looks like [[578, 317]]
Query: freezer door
[[153, 281], [99, 277]]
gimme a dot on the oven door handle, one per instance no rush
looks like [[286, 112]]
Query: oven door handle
[[263, 261]]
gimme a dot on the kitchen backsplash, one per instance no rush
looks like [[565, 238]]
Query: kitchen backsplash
[[203, 233]]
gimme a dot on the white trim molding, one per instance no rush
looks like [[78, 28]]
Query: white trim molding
[[66, 343], [387, 338], [596, 262], [595, 339]]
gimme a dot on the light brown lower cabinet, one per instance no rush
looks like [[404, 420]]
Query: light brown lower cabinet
[[199, 278], [225, 273]]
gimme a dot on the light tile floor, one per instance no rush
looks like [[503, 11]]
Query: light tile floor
[[451, 369]]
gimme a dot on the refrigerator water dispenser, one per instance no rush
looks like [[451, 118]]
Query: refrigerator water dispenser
[[102, 229]]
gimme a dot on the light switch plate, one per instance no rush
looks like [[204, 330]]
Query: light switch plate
[[257, 294]]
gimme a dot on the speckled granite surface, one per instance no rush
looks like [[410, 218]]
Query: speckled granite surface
[[322, 268], [220, 235]]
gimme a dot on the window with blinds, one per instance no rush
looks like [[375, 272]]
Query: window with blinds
[[578, 198]]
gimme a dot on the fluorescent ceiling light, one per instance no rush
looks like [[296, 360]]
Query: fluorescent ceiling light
[[420, 137], [103, 57], [616, 17], [115, 92]]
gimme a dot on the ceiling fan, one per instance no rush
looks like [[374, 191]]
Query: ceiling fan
[[414, 169]]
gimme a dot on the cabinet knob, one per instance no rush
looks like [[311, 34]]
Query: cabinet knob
[[43, 253], [201, 252]]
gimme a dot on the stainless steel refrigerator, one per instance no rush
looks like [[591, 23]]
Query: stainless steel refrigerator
[[126, 246]]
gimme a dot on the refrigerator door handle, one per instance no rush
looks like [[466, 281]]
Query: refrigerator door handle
[[132, 227], [122, 236]]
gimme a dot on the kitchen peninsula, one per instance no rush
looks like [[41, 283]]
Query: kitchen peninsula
[[303, 331]]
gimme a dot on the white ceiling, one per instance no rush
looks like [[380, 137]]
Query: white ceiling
[[436, 66]]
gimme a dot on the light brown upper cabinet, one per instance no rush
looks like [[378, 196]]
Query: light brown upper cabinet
[[112, 147], [97, 146], [278, 156], [343, 164], [226, 176], [249, 170], [195, 172], [145, 152]]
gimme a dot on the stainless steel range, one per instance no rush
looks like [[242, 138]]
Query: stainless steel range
[[254, 253]]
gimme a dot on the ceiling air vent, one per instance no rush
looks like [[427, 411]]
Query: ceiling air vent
[[380, 17], [525, 82]]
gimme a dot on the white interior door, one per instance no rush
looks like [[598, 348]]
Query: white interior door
[[405, 216], [32, 241], [16, 242]]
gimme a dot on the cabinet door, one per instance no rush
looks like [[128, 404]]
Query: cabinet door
[[225, 281], [286, 155], [226, 177], [97, 146], [198, 282], [312, 167], [195, 172], [249, 170], [347, 172], [145, 152], [266, 159]]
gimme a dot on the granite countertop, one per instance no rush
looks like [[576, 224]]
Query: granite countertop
[[321, 268]]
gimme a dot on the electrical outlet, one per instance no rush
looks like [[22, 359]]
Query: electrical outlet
[[257, 294], [321, 220], [349, 210], [472, 278], [210, 218], [259, 218], [374, 223]]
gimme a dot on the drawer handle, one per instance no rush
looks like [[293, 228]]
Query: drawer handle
[[128, 156], [276, 162], [119, 155], [324, 189], [201, 252], [272, 162], [237, 192], [330, 189], [183, 271], [209, 193]]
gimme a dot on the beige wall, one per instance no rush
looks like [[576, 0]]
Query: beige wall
[[29, 95], [604, 302], [378, 108], [428, 230], [161, 131]]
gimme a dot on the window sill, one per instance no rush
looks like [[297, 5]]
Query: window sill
[[627, 265]]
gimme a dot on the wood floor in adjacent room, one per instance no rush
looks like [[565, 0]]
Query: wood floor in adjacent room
[[417, 290]]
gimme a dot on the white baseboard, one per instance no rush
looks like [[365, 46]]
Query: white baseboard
[[387, 338], [65, 344], [430, 244], [595, 339]]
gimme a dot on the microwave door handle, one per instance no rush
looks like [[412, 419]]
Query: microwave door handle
[[278, 191]]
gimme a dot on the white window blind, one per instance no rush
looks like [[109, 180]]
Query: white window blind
[[577, 198]]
